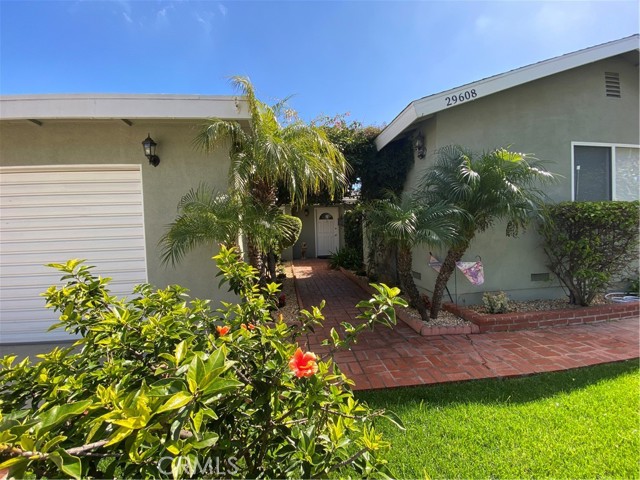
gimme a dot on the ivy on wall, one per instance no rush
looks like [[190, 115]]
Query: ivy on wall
[[374, 172]]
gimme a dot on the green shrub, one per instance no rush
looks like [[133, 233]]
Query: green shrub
[[353, 228], [496, 302], [347, 257], [589, 244], [163, 387]]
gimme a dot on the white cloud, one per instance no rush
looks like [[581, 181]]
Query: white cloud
[[127, 17], [125, 5], [162, 16], [223, 10], [483, 23], [563, 18], [206, 20]]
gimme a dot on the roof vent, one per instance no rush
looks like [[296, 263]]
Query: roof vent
[[612, 84]]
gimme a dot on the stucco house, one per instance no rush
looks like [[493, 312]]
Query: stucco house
[[577, 112], [75, 183]]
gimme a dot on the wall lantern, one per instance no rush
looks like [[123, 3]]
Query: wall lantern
[[306, 211], [418, 145], [150, 151]]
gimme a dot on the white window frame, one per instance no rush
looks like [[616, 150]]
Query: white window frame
[[613, 147]]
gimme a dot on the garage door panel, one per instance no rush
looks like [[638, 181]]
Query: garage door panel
[[87, 188], [69, 248], [126, 254], [18, 298], [37, 211], [78, 199], [40, 222], [15, 276], [13, 332], [56, 213], [82, 175], [101, 234]]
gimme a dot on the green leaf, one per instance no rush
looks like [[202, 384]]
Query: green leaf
[[53, 442], [181, 352], [60, 413], [69, 464], [209, 440], [221, 385], [197, 420], [13, 462], [178, 400], [195, 372], [215, 361], [119, 435], [394, 418]]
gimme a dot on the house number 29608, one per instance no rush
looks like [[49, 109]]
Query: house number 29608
[[461, 97]]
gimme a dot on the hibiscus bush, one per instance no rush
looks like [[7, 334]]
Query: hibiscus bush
[[160, 386]]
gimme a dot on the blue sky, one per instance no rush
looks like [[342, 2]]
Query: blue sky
[[364, 57]]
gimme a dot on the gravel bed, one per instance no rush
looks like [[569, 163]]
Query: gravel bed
[[291, 309], [445, 319], [540, 305]]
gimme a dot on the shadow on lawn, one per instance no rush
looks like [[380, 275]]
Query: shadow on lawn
[[490, 391]]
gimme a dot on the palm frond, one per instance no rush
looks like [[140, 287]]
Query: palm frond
[[217, 131], [499, 184], [205, 218]]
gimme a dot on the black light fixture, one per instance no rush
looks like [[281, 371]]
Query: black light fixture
[[150, 151], [418, 145]]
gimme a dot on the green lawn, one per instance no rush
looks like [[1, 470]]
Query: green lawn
[[576, 424]]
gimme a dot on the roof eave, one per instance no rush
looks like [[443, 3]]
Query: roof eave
[[117, 106], [428, 106], [396, 127]]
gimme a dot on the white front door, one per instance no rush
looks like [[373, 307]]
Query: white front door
[[327, 239]]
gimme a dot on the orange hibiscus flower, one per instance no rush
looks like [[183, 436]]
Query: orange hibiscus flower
[[223, 330], [303, 364]]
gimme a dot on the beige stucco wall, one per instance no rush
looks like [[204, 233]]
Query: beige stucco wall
[[59, 142], [541, 118]]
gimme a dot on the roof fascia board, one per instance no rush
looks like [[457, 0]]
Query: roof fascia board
[[432, 104], [132, 107], [396, 127]]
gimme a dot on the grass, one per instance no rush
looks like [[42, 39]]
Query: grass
[[575, 424]]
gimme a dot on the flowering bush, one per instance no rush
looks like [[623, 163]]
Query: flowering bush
[[164, 387]]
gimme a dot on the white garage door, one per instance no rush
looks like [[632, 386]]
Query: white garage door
[[56, 213]]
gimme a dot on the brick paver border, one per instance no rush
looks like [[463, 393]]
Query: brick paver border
[[399, 357]]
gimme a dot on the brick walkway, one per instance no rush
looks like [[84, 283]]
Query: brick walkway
[[400, 357]]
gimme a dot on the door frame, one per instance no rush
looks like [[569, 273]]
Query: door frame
[[335, 211]]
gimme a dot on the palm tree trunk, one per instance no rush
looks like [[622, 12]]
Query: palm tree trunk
[[271, 266], [255, 256], [448, 267], [408, 285]]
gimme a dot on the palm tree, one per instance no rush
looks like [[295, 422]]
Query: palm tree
[[498, 185], [207, 217], [403, 222], [274, 151]]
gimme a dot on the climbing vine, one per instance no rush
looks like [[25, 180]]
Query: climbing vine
[[373, 172]]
